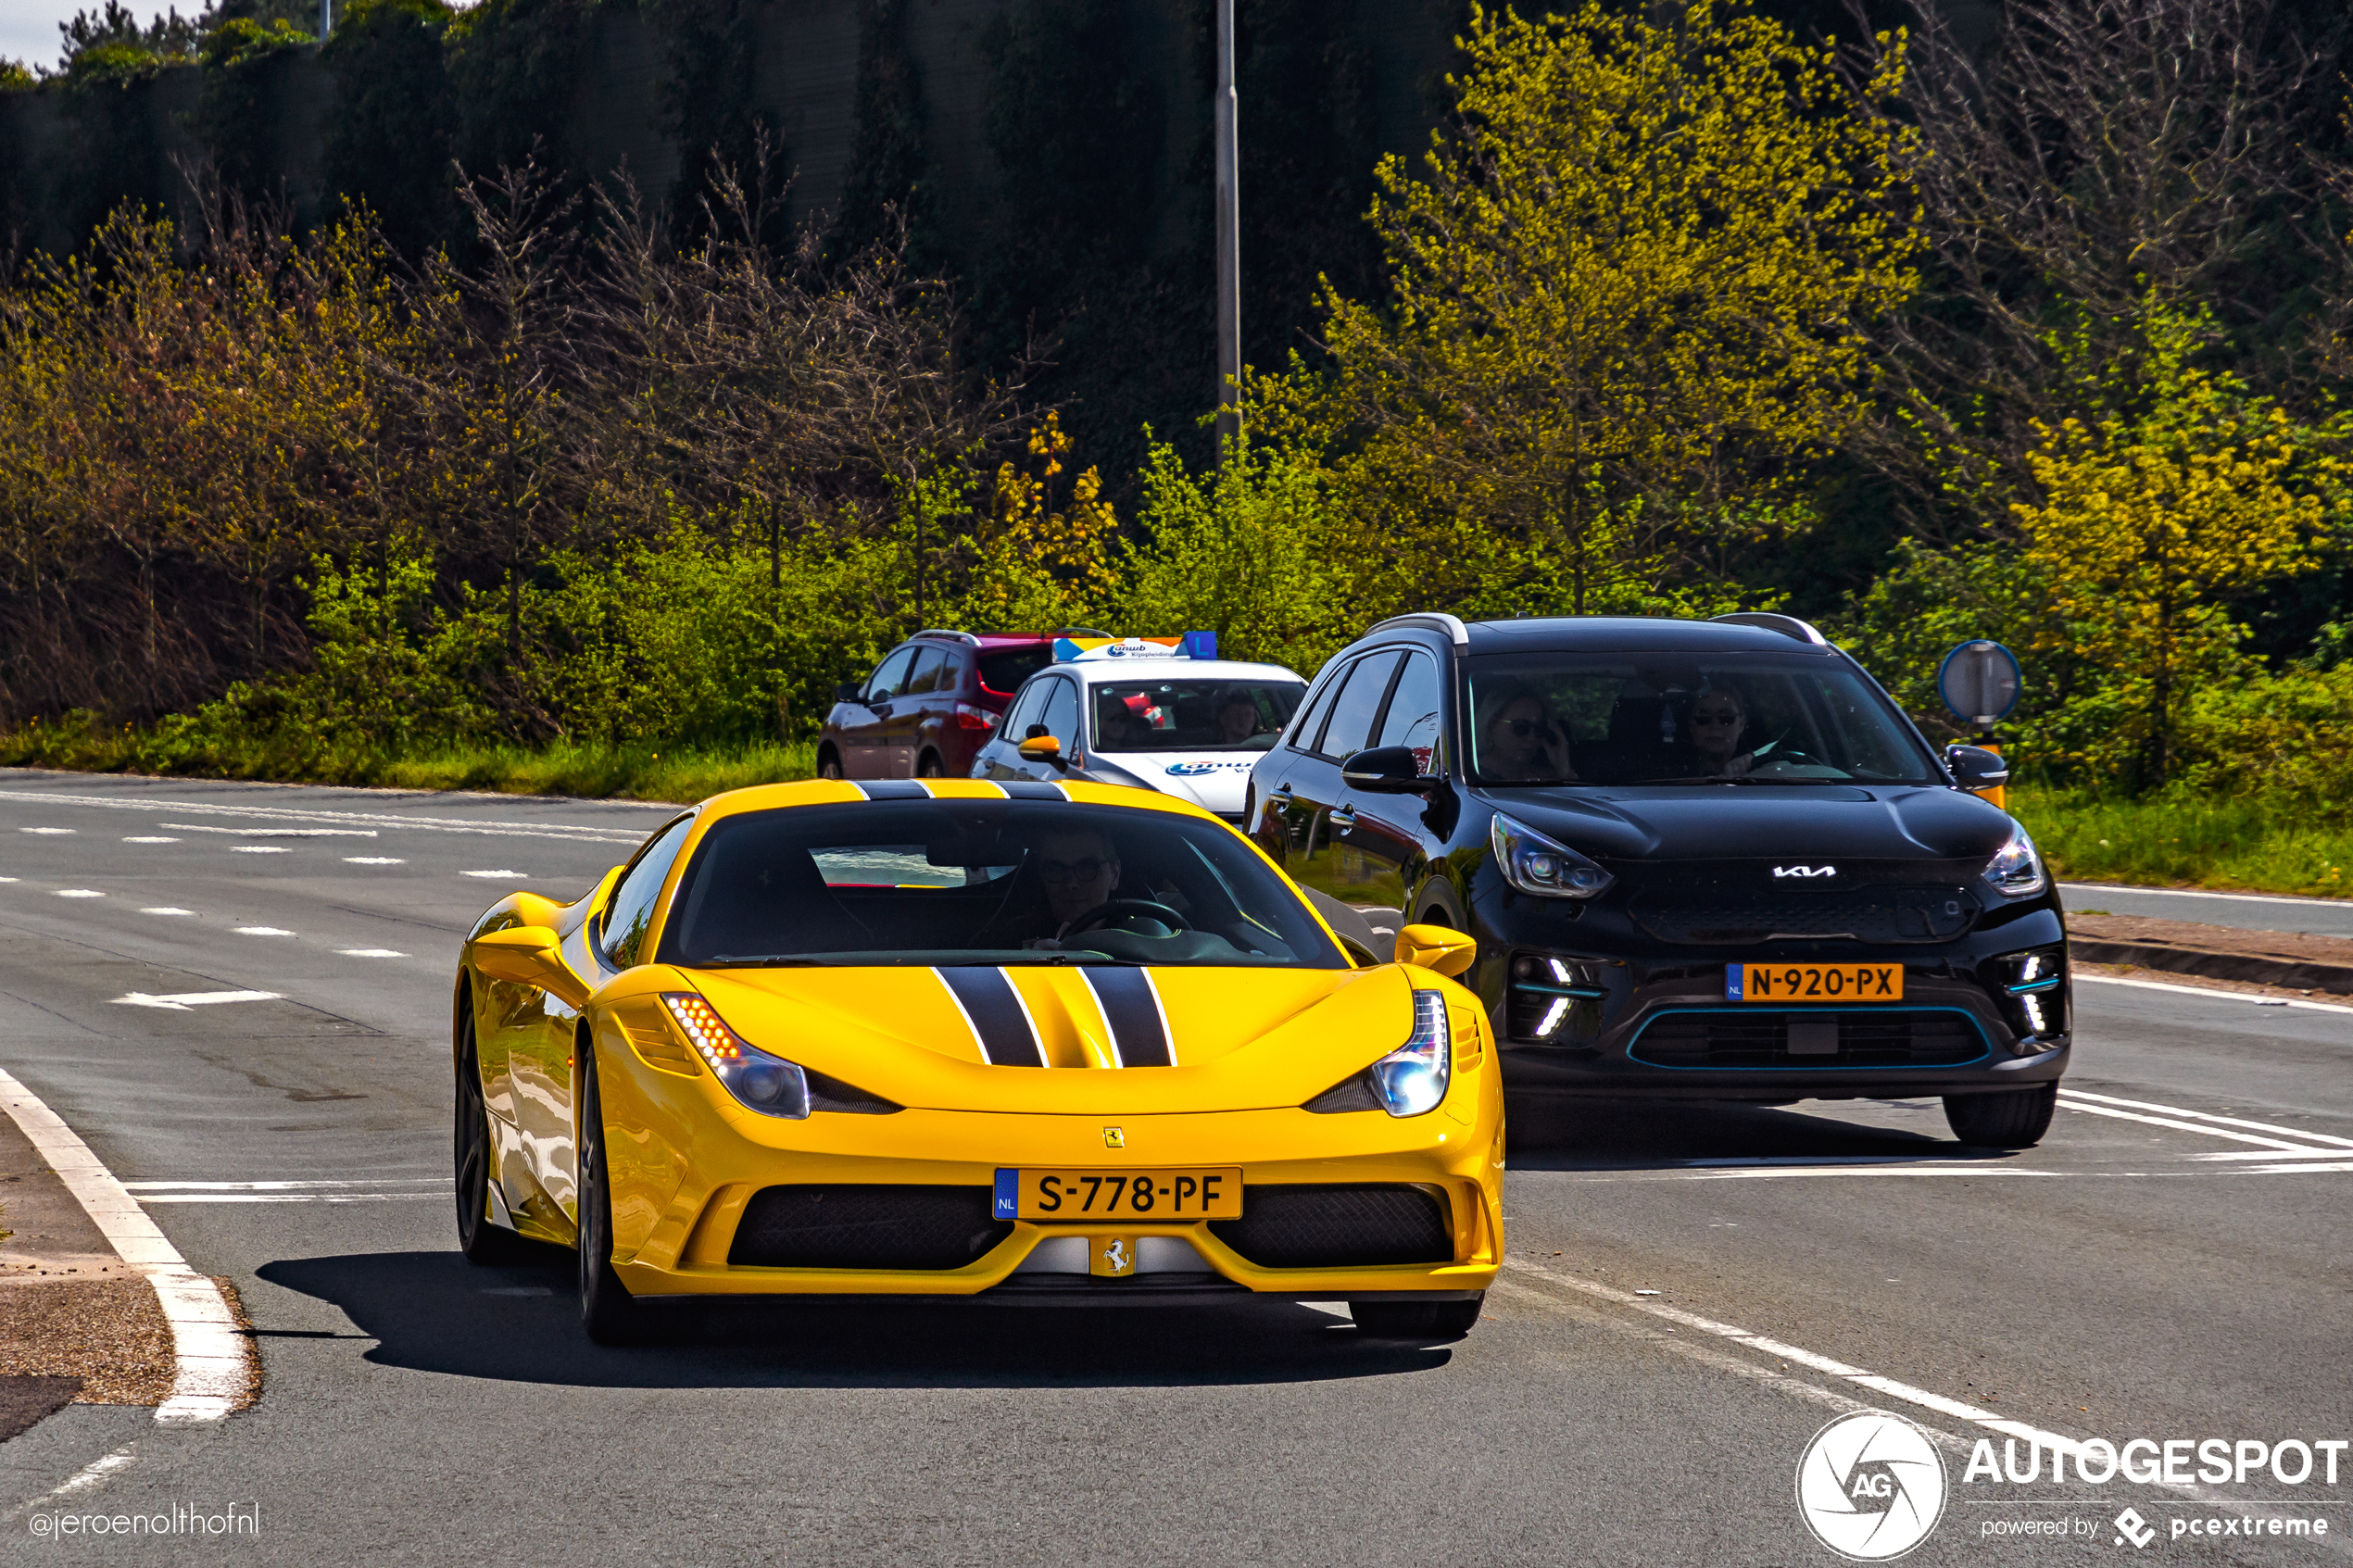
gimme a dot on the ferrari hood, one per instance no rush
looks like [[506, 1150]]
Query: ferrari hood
[[1094, 1040]]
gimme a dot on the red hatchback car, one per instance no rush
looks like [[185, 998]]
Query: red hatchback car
[[929, 705]]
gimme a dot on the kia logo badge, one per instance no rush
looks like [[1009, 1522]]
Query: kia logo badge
[[1805, 871]]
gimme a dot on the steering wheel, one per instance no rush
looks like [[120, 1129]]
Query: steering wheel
[[1103, 912]]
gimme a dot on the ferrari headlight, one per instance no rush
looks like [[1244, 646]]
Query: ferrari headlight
[[1533, 864], [2016, 870], [1412, 1079], [767, 1084]]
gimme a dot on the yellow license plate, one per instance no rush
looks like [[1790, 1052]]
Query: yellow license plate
[[1214, 1193], [1784, 984]]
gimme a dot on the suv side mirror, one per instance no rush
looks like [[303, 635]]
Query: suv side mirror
[[847, 692], [1386, 770], [1973, 767]]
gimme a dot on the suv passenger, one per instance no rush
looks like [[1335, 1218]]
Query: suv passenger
[[1703, 860], [928, 706]]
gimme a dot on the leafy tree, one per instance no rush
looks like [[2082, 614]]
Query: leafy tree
[[1631, 284]]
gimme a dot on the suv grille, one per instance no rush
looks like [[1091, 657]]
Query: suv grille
[[1763, 1039], [866, 1227], [1315, 1227], [1869, 914]]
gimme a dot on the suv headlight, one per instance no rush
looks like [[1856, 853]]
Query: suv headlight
[[1533, 864], [2016, 870], [767, 1084]]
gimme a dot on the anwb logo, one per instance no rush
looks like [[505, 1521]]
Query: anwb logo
[[1870, 1485]]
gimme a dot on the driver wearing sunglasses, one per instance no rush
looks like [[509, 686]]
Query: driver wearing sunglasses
[[1077, 870], [1714, 726]]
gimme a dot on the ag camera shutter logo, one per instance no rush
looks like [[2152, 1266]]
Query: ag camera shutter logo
[[1870, 1485]]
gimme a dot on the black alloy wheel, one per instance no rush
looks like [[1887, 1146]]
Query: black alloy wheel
[[828, 765], [929, 767], [1416, 1320], [480, 1240], [608, 1311], [2007, 1118]]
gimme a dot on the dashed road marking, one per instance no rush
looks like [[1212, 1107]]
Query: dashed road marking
[[148, 838], [524, 875], [259, 850], [370, 953], [213, 1358], [385, 819], [262, 931], [91, 1475], [49, 830], [380, 1190], [372, 860], [167, 909], [182, 1001], [274, 833], [80, 892]]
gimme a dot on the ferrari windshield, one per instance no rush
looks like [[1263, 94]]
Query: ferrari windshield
[[984, 881], [1193, 715], [1682, 718]]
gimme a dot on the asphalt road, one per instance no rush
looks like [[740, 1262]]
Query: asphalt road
[[2159, 1277], [2248, 911]]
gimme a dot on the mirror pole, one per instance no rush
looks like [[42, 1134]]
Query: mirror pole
[[1230, 253]]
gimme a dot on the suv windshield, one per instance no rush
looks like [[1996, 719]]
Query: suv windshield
[[1193, 715], [1627, 719], [985, 882]]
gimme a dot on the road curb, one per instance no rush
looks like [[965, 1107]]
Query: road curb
[[213, 1358], [2253, 969]]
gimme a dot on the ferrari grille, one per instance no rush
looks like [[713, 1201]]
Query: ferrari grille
[[866, 1227], [1315, 1227]]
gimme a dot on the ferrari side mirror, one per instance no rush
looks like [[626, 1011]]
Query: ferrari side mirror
[[1436, 949]]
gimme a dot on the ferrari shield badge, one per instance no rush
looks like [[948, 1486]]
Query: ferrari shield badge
[[1111, 1257]]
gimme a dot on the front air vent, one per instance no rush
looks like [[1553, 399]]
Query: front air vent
[[866, 1227], [1334, 1226]]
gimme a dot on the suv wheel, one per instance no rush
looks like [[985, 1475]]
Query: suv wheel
[[828, 764], [2009, 1119], [929, 767]]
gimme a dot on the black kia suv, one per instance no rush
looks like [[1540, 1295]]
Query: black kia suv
[[1703, 860]]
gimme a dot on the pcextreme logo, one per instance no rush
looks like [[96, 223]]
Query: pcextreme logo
[[1805, 871], [1870, 1485]]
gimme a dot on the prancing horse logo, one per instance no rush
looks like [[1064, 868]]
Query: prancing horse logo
[[1805, 871], [1115, 1255]]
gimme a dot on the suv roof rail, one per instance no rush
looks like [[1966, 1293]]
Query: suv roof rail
[[959, 636], [1077, 632], [1429, 620], [1787, 625]]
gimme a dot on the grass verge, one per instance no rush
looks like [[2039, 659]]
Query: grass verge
[[2247, 846], [683, 773]]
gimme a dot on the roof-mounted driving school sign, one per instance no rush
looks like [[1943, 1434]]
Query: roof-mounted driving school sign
[[1193, 644], [1980, 682]]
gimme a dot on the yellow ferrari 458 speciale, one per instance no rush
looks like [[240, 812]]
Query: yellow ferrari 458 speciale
[[1021, 1042]]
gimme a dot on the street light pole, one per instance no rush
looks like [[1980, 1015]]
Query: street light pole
[[1229, 246]]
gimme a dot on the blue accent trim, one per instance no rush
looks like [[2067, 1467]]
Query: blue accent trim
[[2038, 985], [1008, 1193], [1821, 1011], [1583, 993]]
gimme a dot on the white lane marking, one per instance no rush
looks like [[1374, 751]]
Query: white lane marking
[[370, 953], [167, 909], [291, 1196], [2296, 1133], [2344, 904], [374, 819], [271, 833], [525, 876], [259, 850], [372, 860], [2181, 1127], [148, 838], [7, 879], [49, 830], [262, 931], [80, 892], [182, 1001], [213, 1358], [2210, 991], [80, 1481]]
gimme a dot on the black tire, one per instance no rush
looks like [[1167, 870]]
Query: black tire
[[480, 1240], [2007, 1118], [608, 1311], [828, 764], [929, 768], [1416, 1320]]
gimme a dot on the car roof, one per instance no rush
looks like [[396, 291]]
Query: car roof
[[1095, 671], [1632, 634], [847, 792]]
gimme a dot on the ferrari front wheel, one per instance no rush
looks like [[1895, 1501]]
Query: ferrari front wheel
[[478, 1239], [608, 1311], [1416, 1320]]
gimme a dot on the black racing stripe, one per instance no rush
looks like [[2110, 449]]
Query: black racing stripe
[[894, 789], [1133, 1014], [1006, 1038], [1034, 789]]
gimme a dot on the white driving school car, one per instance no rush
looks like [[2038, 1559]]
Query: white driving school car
[[1156, 713]]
